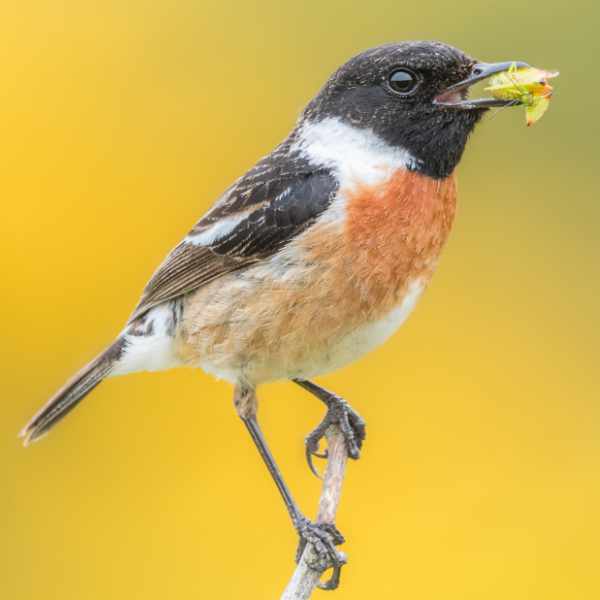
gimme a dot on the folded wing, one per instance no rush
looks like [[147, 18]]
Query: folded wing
[[254, 219]]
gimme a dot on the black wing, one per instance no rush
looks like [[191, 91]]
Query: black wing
[[274, 202]]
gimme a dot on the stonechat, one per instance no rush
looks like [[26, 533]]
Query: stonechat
[[317, 254]]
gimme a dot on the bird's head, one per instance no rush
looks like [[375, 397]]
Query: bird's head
[[412, 95]]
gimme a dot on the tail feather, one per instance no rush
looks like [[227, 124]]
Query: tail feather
[[67, 398]]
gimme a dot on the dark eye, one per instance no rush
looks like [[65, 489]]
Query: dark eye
[[403, 81]]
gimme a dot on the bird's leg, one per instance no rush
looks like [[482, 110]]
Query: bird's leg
[[323, 537], [339, 412]]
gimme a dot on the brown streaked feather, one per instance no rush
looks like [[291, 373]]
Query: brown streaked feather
[[266, 226], [187, 268]]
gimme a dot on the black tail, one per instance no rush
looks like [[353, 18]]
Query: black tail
[[69, 396]]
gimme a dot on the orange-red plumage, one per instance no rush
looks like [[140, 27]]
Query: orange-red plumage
[[393, 234], [396, 230]]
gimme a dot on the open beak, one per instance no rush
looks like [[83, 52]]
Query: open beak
[[457, 95]]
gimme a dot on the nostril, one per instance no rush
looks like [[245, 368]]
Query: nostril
[[477, 71]]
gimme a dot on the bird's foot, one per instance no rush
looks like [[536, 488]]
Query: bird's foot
[[351, 424], [323, 537]]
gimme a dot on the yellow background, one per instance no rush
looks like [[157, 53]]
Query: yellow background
[[120, 123]]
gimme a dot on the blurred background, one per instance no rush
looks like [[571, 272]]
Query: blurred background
[[121, 123]]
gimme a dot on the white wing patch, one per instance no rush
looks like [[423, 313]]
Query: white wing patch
[[225, 225], [216, 231]]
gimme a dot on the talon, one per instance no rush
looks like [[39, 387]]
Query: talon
[[311, 465], [311, 450], [323, 537], [334, 581], [351, 425]]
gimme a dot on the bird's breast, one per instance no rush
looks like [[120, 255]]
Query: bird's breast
[[337, 291], [388, 235]]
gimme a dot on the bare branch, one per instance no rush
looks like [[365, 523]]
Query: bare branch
[[305, 579]]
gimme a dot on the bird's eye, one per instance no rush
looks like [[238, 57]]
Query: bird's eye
[[403, 81]]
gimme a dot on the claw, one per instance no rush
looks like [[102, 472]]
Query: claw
[[311, 449], [334, 581], [323, 537], [351, 425], [311, 465]]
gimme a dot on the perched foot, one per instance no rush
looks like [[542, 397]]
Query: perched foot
[[351, 424], [323, 537]]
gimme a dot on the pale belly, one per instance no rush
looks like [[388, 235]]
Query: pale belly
[[264, 341], [351, 346]]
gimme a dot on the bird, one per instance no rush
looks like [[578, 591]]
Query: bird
[[316, 255]]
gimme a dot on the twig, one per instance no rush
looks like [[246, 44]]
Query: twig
[[305, 579]]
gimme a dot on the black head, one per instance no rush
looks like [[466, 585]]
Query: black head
[[411, 94]]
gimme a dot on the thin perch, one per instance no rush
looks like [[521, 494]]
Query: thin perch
[[305, 579]]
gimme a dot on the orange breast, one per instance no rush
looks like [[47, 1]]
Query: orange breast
[[393, 234], [397, 230]]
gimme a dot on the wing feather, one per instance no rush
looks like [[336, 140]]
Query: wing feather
[[266, 224]]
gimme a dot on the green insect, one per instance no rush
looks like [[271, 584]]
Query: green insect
[[527, 86]]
